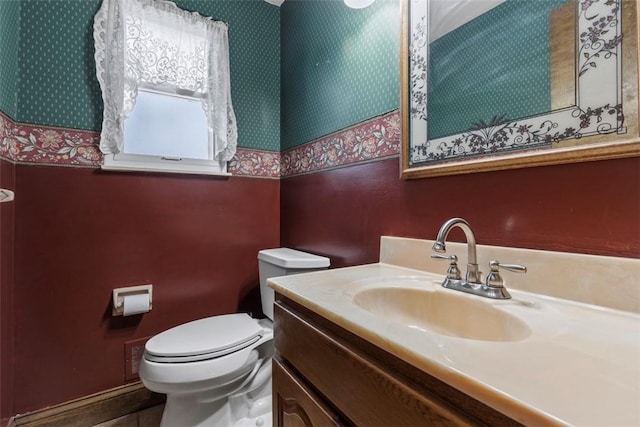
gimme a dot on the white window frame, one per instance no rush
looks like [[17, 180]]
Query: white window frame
[[169, 164], [119, 84], [145, 163]]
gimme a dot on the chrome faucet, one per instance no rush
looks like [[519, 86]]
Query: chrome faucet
[[473, 272], [472, 283]]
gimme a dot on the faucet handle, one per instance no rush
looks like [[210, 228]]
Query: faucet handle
[[494, 279], [453, 272], [439, 257]]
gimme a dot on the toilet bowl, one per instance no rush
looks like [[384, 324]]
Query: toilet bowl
[[216, 371]]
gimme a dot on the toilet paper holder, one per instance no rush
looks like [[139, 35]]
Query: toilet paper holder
[[120, 293]]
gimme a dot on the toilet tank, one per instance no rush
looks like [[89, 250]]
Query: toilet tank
[[282, 262]]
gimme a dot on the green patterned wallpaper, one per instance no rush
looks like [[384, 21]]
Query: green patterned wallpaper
[[58, 86], [495, 65], [339, 66], [9, 42]]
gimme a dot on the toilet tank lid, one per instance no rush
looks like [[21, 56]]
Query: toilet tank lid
[[291, 258]]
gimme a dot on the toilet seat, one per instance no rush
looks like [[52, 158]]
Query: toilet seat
[[204, 339]]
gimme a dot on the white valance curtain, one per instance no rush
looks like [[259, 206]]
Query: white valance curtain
[[155, 44]]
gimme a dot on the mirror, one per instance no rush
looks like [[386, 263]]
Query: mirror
[[501, 84]]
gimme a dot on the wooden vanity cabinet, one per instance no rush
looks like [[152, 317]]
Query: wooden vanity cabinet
[[324, 375], [295, 404]]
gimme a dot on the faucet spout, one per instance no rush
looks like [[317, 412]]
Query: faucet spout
[[473, 273]]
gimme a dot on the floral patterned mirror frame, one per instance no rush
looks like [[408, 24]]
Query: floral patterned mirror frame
[[602, 125]]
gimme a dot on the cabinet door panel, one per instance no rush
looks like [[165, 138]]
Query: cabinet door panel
[[358, 387], [295, 405]]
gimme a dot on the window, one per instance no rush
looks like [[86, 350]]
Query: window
[[165, 125], [164, 75]]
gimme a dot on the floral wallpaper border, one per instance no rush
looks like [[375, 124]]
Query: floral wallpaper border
[[26, 143], [373, 139], [256, 163]]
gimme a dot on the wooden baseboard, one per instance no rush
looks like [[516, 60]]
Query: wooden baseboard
[[90, 410]]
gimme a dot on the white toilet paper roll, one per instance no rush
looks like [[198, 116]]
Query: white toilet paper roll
[[135, 304]]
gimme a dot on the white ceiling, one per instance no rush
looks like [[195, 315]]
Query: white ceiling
[[275, 2]]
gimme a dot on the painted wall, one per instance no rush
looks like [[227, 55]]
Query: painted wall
[[342, 213], [338, 66], [80, 233], [9, 40], [58, 85], [77, 233], [7, 180], [586, 208]]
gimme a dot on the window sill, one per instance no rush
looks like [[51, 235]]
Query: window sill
[[142, 163]]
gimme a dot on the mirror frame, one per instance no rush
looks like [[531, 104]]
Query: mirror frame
[[597, 146]]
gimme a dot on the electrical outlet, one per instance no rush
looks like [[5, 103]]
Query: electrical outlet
[[133, 351]]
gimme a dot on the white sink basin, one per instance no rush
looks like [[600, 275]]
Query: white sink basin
[[538, 359], [444, 312]]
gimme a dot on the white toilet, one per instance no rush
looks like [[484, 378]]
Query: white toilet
[[217, 371]]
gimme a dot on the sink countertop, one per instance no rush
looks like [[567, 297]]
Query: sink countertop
[[579, 366]]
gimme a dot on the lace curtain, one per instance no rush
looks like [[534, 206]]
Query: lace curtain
[[153, 43]]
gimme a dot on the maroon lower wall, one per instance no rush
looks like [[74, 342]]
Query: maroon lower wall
[[7, 180], [79, 233], [591, 208]]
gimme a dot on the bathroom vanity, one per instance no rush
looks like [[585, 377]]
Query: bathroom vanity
[[325, 375], [384, 344]]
